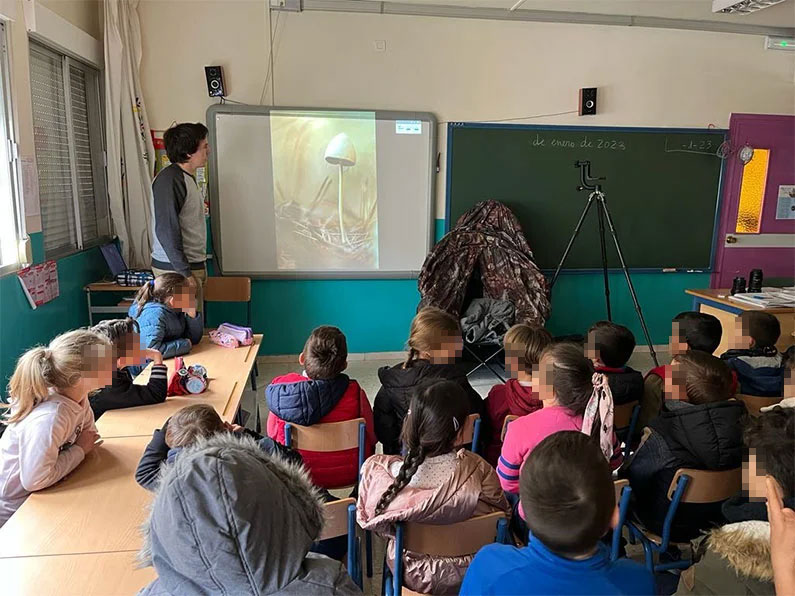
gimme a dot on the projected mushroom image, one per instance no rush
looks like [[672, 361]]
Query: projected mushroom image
[[325, 189]]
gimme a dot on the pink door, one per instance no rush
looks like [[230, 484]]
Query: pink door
[[772, 249]]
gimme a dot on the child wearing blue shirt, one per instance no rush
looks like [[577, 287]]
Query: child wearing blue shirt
[[569, 503]]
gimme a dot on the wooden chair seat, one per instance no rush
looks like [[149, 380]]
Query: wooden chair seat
[[452, 540], [330, 436], [754, 403]]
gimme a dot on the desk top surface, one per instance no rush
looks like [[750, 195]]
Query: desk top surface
[[92, 574], [721, 296], [110, 286], [228, 370], [97, 508]]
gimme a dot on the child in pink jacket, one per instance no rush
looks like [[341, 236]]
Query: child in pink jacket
[[575, 398]]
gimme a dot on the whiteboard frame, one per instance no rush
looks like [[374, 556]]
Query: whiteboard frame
[[215, 207]]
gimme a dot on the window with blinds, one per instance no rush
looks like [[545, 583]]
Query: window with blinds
[[69, 155]]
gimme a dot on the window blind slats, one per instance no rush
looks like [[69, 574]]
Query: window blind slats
[[66, 158], [51, 138]]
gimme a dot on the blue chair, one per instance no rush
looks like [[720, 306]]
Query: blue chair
[[333, 436], [470, 433], [623, 496], [451, 540], [687, 486], [625, 419], [341, 521]]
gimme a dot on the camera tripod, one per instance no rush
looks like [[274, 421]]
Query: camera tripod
[[597, 197]]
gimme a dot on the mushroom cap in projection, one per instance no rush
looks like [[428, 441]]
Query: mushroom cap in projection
[[340, 151]]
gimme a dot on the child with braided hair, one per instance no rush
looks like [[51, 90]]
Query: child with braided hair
[[434, 483]]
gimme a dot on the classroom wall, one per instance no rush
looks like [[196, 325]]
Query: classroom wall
[[460, 70], [20, 326]]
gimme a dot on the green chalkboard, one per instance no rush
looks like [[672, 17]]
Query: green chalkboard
[[662, 188]]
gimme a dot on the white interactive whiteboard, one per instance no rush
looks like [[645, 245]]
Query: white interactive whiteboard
[[299, 192]]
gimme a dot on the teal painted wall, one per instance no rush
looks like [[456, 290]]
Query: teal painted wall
[[375, 314], [22, 327]]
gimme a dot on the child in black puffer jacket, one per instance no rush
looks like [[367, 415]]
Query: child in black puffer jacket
[[434, 343], [699, 428]]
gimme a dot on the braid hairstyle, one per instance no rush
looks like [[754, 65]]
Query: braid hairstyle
[[430, 327], [437, 412]]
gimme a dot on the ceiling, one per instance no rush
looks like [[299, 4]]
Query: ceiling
[[780, 15]]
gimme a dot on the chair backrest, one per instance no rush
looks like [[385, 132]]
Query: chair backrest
[[508, 419], [622, 415], [227, 289], [330, 436], [452, 540], [754, 403], [467, 433], [336, 514], [705, 486], [620, 485]]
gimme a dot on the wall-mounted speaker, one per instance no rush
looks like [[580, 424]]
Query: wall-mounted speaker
[[588, 101], [215, 81]]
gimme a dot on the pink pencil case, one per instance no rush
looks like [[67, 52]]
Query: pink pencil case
[[243, 335]]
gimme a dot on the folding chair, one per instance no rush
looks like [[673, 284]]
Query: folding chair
[[333, 436], [452, 540], [470, 433], [472, 350], [341, 521], [687, 486], [623, 495], [508, 419], [754, 403], [625, 418]]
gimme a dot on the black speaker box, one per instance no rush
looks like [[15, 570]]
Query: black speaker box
[[215, 81]]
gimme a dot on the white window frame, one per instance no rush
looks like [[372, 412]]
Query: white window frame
[[8, 136], [96, 134]]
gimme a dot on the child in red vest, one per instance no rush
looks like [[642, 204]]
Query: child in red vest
[[517, 397], [321, 394], [690, 330]]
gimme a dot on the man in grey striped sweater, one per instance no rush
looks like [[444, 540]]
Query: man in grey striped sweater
[[180, 233]]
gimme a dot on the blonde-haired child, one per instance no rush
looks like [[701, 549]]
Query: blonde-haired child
[[51, 426], [434, 344]]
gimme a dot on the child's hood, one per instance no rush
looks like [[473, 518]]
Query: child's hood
[[746, 548], [521, 399], [301, 400], [151, 309], [221, 515]]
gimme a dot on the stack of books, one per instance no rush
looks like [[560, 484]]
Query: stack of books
[[768, 298]]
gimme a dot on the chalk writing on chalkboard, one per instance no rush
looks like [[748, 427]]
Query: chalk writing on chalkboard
[[586, 142]]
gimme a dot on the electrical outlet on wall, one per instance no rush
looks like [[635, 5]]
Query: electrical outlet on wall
[[294, 5], [379, 45]]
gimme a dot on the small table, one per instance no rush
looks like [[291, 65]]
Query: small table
[[228, 370], [98, 508], [108, 286], [716, 302]]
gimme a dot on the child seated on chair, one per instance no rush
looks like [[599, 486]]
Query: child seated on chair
[[569, 502], [165, 309], [123, 393], [434, 483], [735, 558], [610, 346], [322, 394], [229, 518], [434, 344], [753, 354], [700, 428], [690, 330], [517, 397]]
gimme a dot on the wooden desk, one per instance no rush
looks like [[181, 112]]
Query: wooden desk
[[228, 370], [716, 302], [100, 574], [108, 286], [98, 508]]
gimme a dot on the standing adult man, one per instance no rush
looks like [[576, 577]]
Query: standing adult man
[[180, 234]]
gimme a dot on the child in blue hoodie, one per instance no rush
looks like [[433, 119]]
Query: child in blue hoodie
[[165, 309], [569, 503]]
